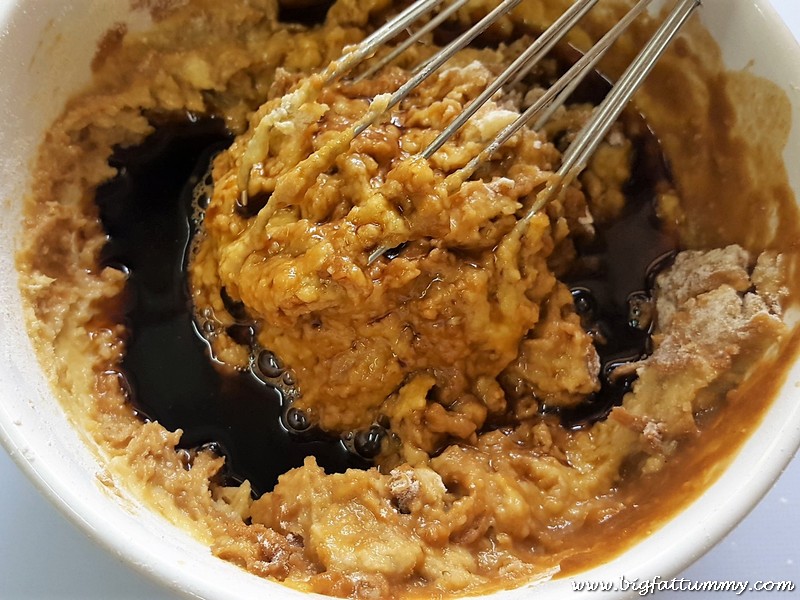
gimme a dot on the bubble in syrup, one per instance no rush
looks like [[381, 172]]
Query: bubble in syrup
[[201, 197], [640, 311], [269, 364], [297, 420], [585, 303], [369, 442]]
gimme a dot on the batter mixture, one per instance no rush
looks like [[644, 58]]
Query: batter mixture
[[467, 369]]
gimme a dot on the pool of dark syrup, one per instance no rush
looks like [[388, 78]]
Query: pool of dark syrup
[[613, 279], [147, 211]]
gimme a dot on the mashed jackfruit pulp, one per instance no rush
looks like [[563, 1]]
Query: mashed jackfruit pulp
[[467, 367]]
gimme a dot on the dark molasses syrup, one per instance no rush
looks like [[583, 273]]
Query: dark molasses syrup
[[613, 279], [147, 212]]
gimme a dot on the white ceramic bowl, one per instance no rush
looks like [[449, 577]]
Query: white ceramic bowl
[[45, 49]]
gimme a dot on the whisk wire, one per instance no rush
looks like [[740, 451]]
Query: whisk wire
[[593, 132], [442, 57], [604, 116], [525, 61], [440, 18], [379, 37], [557, 93], [559, 29], [585, 143]]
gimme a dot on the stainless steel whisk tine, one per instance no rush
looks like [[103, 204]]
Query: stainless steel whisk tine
[[367, 47], [557, 93], [440, 58], [354, 55], [532, 55], [440, 18], [604, 116]]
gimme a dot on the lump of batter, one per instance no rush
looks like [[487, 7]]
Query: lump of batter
[[420, 336]]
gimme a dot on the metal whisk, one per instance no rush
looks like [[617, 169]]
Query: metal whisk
[[584, 144]]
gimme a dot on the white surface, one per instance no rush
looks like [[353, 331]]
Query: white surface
[[43, 556]]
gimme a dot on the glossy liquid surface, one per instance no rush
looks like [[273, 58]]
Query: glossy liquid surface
[[147, 213]]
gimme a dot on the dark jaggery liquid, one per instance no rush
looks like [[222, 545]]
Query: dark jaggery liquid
[[147, 211], [613, 278]]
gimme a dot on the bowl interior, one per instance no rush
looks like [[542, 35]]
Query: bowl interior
[[45, 50]]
